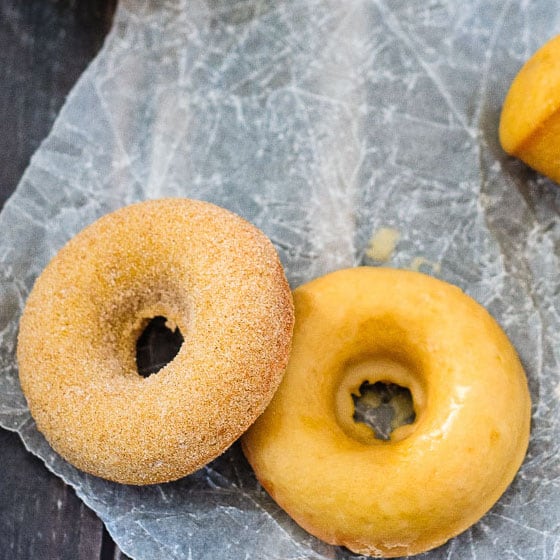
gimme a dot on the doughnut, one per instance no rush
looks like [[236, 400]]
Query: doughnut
[[530, 119], [208, 272], [436, 476]]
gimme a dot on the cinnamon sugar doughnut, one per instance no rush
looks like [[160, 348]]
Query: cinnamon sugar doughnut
[[210, 273], [436, 476]]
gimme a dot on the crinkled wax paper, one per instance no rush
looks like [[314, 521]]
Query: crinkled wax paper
[[321, 122]]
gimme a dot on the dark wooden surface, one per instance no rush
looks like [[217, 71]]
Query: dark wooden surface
[[44, 47]]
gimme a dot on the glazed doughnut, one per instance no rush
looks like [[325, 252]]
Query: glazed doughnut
[[208, 272], [436, 476], [530, 119]]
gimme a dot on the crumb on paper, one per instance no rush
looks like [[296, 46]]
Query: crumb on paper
[[419, 263], [382, 244]]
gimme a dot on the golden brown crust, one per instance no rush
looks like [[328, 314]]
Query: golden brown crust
[[211, 273], [437, 476]]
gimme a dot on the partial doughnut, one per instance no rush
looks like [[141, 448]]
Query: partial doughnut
[[436, 476], [208, 272], [530, 119]]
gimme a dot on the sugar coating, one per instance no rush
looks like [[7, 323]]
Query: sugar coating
[[209, 272]]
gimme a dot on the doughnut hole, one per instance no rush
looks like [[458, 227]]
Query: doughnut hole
[[157, 346], [384, 407], [378, 400]]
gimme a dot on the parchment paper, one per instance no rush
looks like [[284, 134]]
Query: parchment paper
[[321, 122]]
